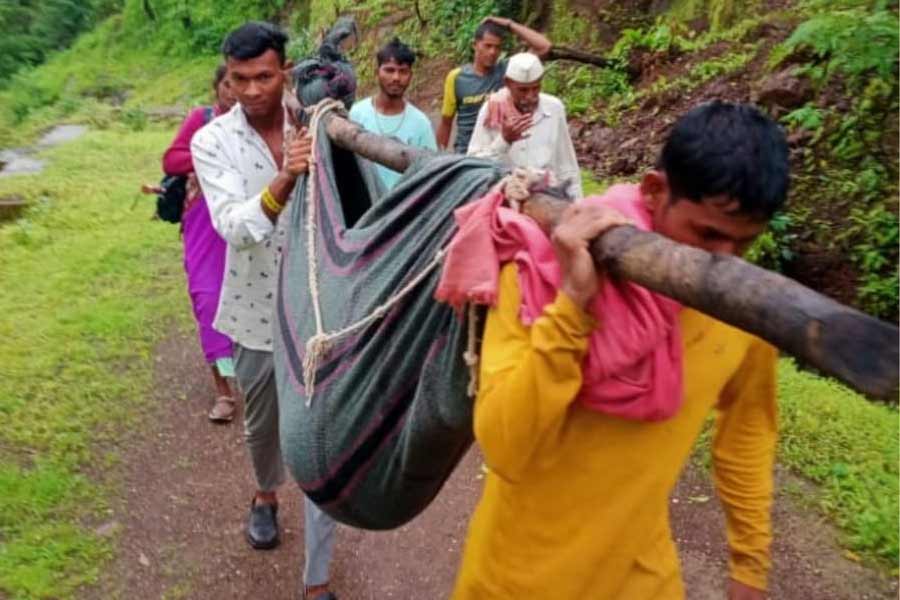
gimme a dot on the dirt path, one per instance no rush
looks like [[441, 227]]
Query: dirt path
[[187, 486]]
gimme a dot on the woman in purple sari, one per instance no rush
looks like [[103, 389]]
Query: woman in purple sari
[[204, 249]]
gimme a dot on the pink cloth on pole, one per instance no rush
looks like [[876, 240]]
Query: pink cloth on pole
[[633, 365]]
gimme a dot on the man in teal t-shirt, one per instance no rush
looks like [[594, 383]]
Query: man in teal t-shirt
[[388, 112]]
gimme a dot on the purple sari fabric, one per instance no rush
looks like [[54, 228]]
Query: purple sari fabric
[[204, 249], [204, 264]]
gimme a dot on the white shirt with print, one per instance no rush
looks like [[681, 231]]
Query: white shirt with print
[[233, 164]]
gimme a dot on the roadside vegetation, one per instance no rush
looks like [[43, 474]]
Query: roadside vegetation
[[88, 285]]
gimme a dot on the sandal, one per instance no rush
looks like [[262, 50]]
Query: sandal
[[223, 410]]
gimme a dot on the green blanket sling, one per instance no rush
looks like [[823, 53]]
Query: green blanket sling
[[373, 422]]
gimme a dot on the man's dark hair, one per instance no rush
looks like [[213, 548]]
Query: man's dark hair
[[396, 51], [219, 75], [732, 149], [253, 39], [491, 28]]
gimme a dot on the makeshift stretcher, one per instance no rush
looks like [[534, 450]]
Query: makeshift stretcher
[[375, 377]]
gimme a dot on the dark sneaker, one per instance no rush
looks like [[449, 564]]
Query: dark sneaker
[[262, 526]]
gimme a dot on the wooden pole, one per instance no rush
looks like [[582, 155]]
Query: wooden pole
[[854, 347], [386, 151]]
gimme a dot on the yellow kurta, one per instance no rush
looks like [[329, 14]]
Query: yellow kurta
[[575, 506]]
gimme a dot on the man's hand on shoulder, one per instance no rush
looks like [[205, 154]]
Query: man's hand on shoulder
[[742, 591]]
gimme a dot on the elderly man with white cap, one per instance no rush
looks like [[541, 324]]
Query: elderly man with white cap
[[522, 127]]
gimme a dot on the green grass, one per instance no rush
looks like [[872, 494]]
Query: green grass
[[86, 284], [849, 446], [78, 85]]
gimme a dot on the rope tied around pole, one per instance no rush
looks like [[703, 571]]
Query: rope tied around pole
[[516, 187], [322, 341]]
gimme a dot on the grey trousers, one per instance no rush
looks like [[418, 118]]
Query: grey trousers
[[255, 375]]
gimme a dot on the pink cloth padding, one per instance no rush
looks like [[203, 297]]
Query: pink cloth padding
[[500, 105], [633, 365]]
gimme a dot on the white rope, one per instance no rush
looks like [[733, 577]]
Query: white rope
[[515, 188], [321, 342], [316, 346]]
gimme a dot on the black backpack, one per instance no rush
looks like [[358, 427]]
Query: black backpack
[[170, 202]]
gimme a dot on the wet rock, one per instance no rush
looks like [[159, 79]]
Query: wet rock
[[784, 90], [630, 143], [108, 529]]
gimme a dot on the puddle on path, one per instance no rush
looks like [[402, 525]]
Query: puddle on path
[[21, 161]]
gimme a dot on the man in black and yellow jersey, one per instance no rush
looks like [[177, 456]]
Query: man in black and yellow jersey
[[467, 87]]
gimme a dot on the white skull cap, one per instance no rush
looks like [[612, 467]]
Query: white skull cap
[[524, 67]]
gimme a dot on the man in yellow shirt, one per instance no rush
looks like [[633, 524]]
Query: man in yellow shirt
[[575, 505]]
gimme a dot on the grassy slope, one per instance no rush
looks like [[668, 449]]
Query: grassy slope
[[101, 69], [87, 285], [850, 447]]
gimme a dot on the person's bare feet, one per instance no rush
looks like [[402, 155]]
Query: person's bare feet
[[222, 410]]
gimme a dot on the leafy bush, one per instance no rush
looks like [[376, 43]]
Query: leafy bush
[[850, 42], [32, 30], [772, 249], [456, 20], [849, 165], [875, 233], [806, 117], [659, 38], [581, 87], [672, 35]]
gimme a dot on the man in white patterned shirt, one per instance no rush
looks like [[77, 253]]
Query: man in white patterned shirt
[[247, 163]]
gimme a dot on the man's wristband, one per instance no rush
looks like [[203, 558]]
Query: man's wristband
[[270, 202]]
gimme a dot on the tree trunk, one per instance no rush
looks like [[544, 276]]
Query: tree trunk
[[839, 341]]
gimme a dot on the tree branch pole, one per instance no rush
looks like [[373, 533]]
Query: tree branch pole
[[854, 347], [576, 55]]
